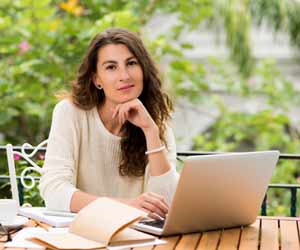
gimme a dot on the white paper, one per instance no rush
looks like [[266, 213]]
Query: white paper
[[37, 213], [151, 243], [58, 230], [19, 240]]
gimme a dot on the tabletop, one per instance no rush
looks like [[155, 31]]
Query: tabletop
[[280, 233], [266, 233]]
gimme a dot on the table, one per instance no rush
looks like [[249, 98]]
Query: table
[[267, 233]]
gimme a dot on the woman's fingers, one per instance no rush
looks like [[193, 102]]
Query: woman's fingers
[[153, 209], [123, 115], [152, 204], [161, 198], [155, 216], [116, 111], [134, 112], [155, 205], [145, 210], [119, 113]]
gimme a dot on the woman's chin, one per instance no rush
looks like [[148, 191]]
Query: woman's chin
[[128, 98]]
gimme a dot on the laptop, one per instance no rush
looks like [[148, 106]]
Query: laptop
[[216, 191]]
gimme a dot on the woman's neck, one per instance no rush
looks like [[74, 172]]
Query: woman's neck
[[105, 112]]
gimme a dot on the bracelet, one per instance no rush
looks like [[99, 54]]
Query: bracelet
[[152, 151]]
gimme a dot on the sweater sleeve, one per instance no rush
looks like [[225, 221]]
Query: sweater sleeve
[[166, 183], [58, 180]]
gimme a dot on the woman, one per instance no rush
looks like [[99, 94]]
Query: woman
[[110, 136]]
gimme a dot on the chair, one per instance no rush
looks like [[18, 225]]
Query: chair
[[10, 152]]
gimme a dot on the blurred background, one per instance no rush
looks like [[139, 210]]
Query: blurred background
[[231, 67]]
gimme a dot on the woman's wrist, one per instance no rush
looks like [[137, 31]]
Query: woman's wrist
[[151, 131], [155, 150], [153, 140]]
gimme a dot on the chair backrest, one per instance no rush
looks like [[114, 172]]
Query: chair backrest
[[10, 152]]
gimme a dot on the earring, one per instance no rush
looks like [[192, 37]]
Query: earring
[[99, 87]]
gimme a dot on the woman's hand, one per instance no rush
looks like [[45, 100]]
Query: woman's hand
[[134, 112], [151, 203]]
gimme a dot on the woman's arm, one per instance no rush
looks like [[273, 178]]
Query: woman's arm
[[164, 184], [158, 161], [161, 176], [58, 180], [135, 112], [155, 203], [80, 199]]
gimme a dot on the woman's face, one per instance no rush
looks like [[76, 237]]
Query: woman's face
[[119, 74]]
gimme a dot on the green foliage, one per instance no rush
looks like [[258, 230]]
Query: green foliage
[[237, 21], [269, 128], [280, 14], [44, 41], [42, 45], [31, 196], [188, 79], [235, 131]]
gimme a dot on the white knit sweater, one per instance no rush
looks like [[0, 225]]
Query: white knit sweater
[[82, 154]]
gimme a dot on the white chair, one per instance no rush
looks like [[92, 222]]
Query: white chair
[[10, 152]]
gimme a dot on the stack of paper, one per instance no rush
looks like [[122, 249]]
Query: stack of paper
[[103, 223], [20, 239]]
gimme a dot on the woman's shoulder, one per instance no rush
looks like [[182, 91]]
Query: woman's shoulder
[[67, 108], [66, 105]]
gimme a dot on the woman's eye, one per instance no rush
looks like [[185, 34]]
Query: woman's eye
[[111, 67], [132, 63]]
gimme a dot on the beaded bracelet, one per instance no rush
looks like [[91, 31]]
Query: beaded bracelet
[[152, 151]]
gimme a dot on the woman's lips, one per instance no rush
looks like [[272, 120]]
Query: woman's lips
[[125, 87]]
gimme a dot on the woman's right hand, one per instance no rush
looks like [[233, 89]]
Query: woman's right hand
[[151, 203]]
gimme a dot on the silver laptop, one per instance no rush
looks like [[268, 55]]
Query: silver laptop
[[216, 191]]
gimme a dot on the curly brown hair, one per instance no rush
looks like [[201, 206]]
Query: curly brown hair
[[85, 95]]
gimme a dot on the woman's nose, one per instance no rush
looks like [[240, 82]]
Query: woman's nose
[[124, 75]]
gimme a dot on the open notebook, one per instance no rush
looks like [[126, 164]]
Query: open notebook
[[102, 223]]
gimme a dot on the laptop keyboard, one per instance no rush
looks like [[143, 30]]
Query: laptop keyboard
[[154, 223]]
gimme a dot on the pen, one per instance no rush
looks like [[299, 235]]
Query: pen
[[41, 224], [58, 213]]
